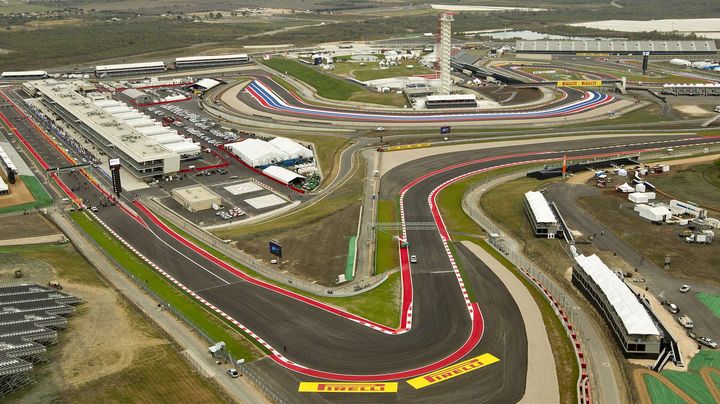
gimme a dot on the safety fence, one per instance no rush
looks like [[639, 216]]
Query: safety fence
[[512, 250], [164, 305], [264, 269]]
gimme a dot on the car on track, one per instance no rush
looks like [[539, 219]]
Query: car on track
[[708, 342], [413, 259], [233, 373], [684, 288]]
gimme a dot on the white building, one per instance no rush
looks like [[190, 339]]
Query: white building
[[207, 61], [283, 175], [257, 153], [541, 217], [631, 323]]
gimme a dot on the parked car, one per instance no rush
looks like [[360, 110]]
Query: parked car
[[685, 321], [708, 342], [692, 335], [684, 288], [233, 373], [413, 259], [672, 308]]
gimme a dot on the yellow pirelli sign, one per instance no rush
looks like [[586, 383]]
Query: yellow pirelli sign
[[453, 371], [327, 387], [408, 146], [580, 83]]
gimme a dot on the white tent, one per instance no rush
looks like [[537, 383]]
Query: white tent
[[625, 188], [282, 174], [653, 213], [641, 197], [207, 84], [293, 149], [256, 152]]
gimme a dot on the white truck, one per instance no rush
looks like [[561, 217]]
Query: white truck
[[685, 321]]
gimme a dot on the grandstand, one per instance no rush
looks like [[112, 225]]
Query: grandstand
[[192, 62], [30, 316], [617, 47], [691, 89], [129, 69]]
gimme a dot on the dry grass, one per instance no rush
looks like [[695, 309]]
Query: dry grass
[[697, 262]]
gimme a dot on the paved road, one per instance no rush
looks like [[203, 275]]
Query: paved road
[[319, 339]]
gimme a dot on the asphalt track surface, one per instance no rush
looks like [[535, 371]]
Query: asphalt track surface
[[266, 95], [301, 333]]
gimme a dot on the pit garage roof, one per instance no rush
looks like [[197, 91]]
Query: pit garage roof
[[612, 46], [124, 66], [633, 315], [210, 58], [282, 174], [293, 149], [540, 208], [207, 83]]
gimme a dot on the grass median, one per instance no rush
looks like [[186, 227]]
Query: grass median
[[331, 87], [238, 344], [463, 227], [386, 253]]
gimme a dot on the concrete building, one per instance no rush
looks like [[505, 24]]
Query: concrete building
[[630, 321], [137, 97], [541, 217], [196, 197], [140, 154], [617, 47]]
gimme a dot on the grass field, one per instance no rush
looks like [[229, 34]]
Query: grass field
[[462, 227], [711, 301], [699, 183], [694, 262], [42, 198], [237, 344], [386, 253], [372, 71], [331, 87], [690, 382]]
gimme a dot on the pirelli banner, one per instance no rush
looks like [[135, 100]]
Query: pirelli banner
[[580, 83]]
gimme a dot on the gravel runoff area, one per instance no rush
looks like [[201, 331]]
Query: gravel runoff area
[[541, 385]]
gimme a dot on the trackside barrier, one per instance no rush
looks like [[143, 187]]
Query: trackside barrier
[[511, 249], [265, 389]]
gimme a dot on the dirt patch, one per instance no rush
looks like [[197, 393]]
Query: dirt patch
[[106, 341], [21, 226], [19, 193], [692, 110], [305, 247]]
